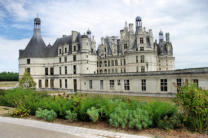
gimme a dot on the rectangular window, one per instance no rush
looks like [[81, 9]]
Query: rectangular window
[[101, 84], [137, 69], [60, 60], [46, 71], [116, 62], [179, 83], [74, 48], [163, 85], [143, 83], [65, 50], [124, 62], [126, 85], [195, 81], [65, 59], [90, 84], [142, 69], [142, 58], [125, 46], [74, 58], [65, 69], [137, 59], [60, 83], [60, 70], [112, 62], [105, 62], [40, 84], [28, 61], [66, 83], [51, 71], [111, 84], [100, 63], [75, 69], [46, 83], [108, 62], [141, 40], [121, 62], [141, 48], [28, 70], [52, 83], [119, 82]]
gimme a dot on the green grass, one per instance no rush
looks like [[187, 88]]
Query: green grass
[[138, 98], [8, 83]]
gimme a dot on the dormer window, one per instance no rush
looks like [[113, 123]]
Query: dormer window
[[59, 51], [141, 48], [65, 50]]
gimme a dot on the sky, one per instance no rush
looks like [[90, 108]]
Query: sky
[[185, 20]]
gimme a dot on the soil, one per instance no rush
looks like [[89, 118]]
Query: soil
[[152, 132]]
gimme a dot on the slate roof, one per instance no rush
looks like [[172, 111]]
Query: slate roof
[[36, 46]]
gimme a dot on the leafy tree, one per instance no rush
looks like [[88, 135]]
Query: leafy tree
[[27, 81], [8, 76]]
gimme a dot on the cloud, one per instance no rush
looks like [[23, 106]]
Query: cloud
[[9, 53], [186, 21]]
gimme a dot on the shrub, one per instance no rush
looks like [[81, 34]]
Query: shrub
[[119, 118], [26, 81], [93, 114], [139, 119], [165, 115], [71, 116], [9, 76], [21, 112], [134, 115], [48, 115], [194, 104]]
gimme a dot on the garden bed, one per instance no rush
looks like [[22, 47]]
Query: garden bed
[[137, 115]]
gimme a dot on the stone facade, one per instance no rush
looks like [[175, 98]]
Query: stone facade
[[134, 64]]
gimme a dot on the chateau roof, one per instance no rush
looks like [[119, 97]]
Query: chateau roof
[[36, 46]]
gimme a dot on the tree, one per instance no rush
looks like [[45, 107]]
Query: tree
[[26, 81]]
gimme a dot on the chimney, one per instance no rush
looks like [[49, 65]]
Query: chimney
[[167, 36]]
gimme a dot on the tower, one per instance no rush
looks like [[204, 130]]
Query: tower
[[37, 23]]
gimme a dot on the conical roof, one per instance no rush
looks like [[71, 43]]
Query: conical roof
[[36, 46]]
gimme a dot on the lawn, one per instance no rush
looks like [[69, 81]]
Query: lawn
[[8, 83]]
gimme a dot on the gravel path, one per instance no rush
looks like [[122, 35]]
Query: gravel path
[[24, 128]]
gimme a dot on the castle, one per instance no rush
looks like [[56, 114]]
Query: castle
[[133, 64]]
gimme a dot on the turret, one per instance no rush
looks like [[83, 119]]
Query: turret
[[85, 43], [89, 33], [138, 23]]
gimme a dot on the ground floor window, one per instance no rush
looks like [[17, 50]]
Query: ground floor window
[[90, 84], [66, 83], [126, 85], [60, 83], [143, 83], [40, 84], [46, 83], [101, 84], [163, 85], [52, 83], [195, 81], [111, 84], [179, 83]]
